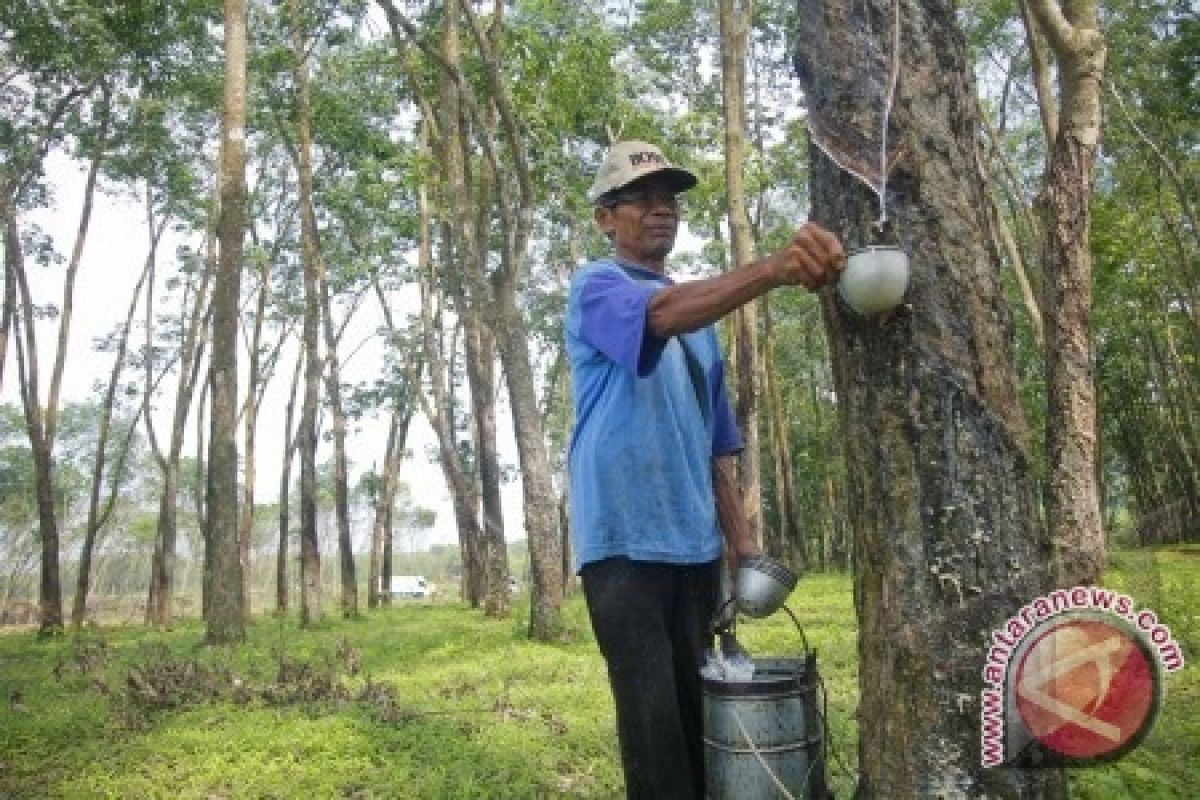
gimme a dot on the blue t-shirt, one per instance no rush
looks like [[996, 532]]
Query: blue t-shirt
[[640, 459]]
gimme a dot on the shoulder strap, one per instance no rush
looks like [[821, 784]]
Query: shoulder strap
[[698, 383], [695, 370]]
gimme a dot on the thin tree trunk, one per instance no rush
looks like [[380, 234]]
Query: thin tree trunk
[[402, 414], [504, 317], [226, 612], [97, 516], [481, 368], [193, 341], [49, 586], [1072, 493], [463, 493], [789, 535], [1040, 66], [12, 258], [735, 18], [341, 479], [391, 463], [199, 484], [285, 490], [249, 433], [1008, 245], [310, 553]]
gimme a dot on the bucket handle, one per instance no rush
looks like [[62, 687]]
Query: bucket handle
[[722, 626], [799, 629]]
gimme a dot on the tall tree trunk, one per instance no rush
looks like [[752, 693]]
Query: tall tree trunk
[[50, 620], [249, 433], [385, 501], [391, 463], [537, 487], [464, 494], [199, 493], [480, 350], [310, 550], [947, 543], [1072, 490], [402, 414], [789, 537], [468, 206], [285, 489], [341, 477], [503, 316], [193, 340], [735, 16], [226, 612], [12, 258], [97, 516]]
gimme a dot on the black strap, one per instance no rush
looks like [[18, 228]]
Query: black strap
[[695, 371], [698, 383]]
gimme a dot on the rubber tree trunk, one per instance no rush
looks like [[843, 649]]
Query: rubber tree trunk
[[480, 359], [735, 35], [941, 493], [285, 489], [226, 612], [310, 550], [1072, 486]]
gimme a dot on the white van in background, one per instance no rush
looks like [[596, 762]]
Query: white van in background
[[410, 586]]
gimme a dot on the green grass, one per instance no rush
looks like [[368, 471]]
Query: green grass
[[1167, 763], [446, 704]]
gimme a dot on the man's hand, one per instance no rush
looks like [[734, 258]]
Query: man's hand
[[813, 259]]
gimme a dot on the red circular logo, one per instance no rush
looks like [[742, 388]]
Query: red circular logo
[[1087, 688]]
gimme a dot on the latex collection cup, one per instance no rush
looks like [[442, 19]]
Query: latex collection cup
[[875, 279], [763, 585]]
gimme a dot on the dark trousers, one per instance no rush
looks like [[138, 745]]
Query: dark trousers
[[652, 623]]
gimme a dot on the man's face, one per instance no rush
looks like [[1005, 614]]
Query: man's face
[[643, 222]]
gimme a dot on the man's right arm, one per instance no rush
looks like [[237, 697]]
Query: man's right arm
[[812, 259]]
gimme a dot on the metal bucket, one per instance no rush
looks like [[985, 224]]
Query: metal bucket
[[763, 738]]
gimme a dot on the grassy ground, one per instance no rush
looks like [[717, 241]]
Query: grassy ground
[[433, 701]]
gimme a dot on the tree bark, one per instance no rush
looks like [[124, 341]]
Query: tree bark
[[787, 539], [226, 612], [310, 550], [382, 498], [285, 488], [735, 16], [941, 493], [480, 349], [250, 406], [1072, 489], [341, 470], [12, 258]]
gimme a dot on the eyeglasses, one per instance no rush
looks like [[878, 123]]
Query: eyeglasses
[[643, 198]]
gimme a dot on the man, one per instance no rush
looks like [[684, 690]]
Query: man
[[652, 485]]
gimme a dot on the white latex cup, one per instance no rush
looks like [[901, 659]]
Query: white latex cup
[[874, 279]]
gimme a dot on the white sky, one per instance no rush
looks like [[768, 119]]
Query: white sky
[[112, 260]]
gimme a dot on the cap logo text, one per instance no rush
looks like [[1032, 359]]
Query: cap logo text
[[648, 157]]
